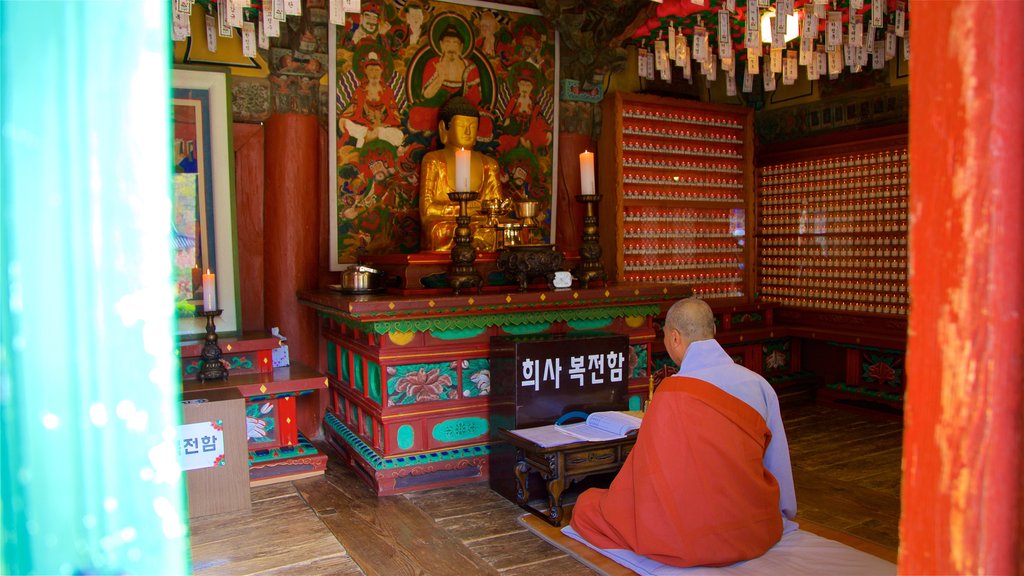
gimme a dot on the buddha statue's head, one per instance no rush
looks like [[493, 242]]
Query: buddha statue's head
[[457, 123]]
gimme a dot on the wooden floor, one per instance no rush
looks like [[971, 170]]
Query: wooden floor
[[846, 467]]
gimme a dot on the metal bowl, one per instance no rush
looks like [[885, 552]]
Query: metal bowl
[[361, 279]]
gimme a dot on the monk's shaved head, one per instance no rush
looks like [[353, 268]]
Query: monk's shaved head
[[692, 318]]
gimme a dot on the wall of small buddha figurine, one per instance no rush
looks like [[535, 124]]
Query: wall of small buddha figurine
[[833, 231], [676, 180]]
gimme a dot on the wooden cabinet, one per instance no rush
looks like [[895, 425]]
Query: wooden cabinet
[[833, 227], [676, 179]]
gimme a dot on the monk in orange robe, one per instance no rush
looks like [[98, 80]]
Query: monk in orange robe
[[695, 489]]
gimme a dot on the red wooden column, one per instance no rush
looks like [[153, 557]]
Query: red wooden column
[[291, 232], [962, 463]]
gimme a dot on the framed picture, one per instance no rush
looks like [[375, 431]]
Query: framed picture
[[386, 87], [203, 200]]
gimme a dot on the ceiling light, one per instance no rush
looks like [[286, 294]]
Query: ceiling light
[[767, 20]]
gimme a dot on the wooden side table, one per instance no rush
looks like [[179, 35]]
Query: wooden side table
[[560, 466]]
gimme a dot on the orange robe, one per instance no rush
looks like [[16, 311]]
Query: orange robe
[[694, 491]]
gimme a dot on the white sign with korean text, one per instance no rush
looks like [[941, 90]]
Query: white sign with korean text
[[201, 445]]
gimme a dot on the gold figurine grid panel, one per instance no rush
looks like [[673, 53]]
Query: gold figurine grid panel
[[678, 198], [669, 154], [833, 232], [702, 248]]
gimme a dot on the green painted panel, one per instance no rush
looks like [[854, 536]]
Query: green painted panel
[[595, 324], [373, 381], [368, 426], [346, 375], [406, 437], [476, 378], [458, 334], [415, 383], [332, 359], [353, 413], [357, 372], [460, 429], [526, 329], [636, 402]]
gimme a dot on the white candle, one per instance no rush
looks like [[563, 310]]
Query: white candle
[[209, 292], [462, 157], [587, 172]]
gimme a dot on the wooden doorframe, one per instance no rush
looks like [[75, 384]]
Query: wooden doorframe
[[962, 464]]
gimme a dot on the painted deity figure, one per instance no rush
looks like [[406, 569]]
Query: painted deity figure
[[457, 126], [372, 114]]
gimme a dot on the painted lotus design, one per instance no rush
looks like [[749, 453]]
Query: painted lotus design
[[882, 372], [775, 360], [423, 385]]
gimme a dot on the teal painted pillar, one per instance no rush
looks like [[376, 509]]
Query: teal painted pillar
[[89, 390]]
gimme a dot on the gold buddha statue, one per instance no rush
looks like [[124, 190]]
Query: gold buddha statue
[[457, 126]]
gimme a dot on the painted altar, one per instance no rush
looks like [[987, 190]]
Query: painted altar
[[409, 377]]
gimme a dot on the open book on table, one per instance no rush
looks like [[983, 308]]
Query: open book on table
[[598, 426]]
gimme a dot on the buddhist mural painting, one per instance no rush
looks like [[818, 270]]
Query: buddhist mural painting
[[397, 64]]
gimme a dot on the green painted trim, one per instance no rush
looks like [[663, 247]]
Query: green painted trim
[[446, 320], [526, 329], [357, 372], [460, 429], [373, 381], [636, 403], [380, 463], [463, 334], [406, 436], [595, 324], [302, 448], [332, 359]]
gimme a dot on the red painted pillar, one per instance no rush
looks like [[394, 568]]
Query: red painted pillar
[[962, 460], [291, 239]]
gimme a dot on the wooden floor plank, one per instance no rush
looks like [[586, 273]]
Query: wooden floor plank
[[388, 535], [254, 542], [561, 566], [516, 549], [338, 565], [459, 500], [482, 524]]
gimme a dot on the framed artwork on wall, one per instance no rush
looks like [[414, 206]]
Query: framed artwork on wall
[[203, 200], [383, 111]]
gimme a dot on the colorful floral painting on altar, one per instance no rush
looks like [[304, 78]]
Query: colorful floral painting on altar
[[397, 62]]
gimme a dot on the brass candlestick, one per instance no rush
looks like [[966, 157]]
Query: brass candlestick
[[462, 272], [589, 267], [211, 366]]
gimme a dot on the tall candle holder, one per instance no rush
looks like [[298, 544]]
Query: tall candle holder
[[462, 273], [589, 267], [212, 366]]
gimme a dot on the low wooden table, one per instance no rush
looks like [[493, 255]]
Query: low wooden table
[[560, 466]]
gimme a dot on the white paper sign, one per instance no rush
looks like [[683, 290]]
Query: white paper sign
[[901, 23], [181, 27], [211, 33], [293, 7], [201, 445], [277, 10], [730, 83], [337, 12], [834, 29], [262, 40], [753, 64], [776, 60], [877, 13], [271, 25], [223, 28], [748, 81], [769, 82], [248, 40], [353, 6], [234, 15]]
